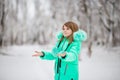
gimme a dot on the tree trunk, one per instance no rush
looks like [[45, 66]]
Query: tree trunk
[[2, 17]]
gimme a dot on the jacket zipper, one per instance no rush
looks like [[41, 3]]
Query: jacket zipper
[[65, 69], [59, 61], [58, 68]]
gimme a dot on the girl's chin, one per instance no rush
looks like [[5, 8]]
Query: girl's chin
[[65, 36]]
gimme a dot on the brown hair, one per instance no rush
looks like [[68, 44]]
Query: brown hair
[[73, 26]]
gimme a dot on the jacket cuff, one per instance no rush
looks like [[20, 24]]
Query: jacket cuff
[[43, 54], [64, 57]]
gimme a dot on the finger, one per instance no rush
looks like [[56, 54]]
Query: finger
[[34, 55], [37, 52], [59, 54]]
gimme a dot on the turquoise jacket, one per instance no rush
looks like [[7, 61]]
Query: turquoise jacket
[[66, 68]]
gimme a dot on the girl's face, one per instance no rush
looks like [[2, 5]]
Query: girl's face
[[66, 31]]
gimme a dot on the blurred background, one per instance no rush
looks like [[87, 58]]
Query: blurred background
[[29, 25]]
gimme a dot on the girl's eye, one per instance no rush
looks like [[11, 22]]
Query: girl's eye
[[65, 28], [68, 28]]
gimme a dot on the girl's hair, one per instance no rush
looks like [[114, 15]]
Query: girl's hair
[[73, 26]]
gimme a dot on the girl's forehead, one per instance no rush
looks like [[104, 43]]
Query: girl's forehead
[[64, 26]]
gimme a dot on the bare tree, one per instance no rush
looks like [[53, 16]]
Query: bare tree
[[24, 22], [2, 18]]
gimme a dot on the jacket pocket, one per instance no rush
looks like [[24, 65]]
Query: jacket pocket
[[65, 69]]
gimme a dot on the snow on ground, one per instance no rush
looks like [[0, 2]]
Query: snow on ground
[[17, 63]]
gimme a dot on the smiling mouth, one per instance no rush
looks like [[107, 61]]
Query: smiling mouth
[[65, 33]]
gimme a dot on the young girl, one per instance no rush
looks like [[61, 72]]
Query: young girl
[[66, 52]]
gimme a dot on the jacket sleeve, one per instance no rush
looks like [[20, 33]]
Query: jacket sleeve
[[49, 55], [73, 52]]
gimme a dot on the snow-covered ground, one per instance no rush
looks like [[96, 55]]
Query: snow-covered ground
[[17, 63]]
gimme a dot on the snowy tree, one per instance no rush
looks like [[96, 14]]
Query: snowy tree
[[37, 21]]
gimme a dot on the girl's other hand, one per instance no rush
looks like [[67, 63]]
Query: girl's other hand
[[62, 54]]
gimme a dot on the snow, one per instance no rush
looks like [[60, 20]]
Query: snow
[[17, 63]]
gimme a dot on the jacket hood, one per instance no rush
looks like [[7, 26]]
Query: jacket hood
[[79, 35]]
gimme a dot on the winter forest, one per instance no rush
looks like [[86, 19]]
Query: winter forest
[[36, 22]]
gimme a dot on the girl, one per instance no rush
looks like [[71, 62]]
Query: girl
[[66, 51]]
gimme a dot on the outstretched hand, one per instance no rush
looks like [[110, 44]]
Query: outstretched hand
[[61, 54], [37, 54]]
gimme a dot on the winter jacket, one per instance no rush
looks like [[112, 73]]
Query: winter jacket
[[66, 68]]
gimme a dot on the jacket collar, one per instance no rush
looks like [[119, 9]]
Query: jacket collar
[[79, 35]]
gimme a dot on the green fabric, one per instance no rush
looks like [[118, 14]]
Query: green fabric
[[69, 64]]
